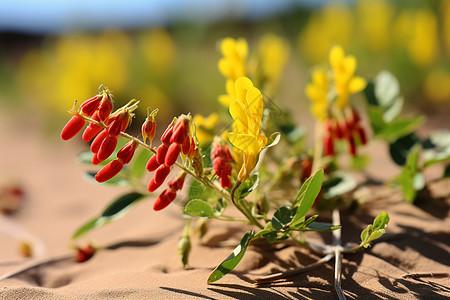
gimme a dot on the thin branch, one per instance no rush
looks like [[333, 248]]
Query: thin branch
[[427, 274], [338, 255]]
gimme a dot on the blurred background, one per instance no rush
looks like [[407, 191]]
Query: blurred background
[[165, 53]]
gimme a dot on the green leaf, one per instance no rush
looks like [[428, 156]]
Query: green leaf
[[441, 152], [387, 88], [360, 162], [411, 179], [138, 165], [375, 230], [446, 172], [400, 128], [199, 208], [115, 210], [273, 140], [268, 229], [376, 119], [394, 110], [232, 260], [338, 184], [400, 149], [307, 195], [319, 226], [220, 207], [247, 187], [198, 191], [282, 217]]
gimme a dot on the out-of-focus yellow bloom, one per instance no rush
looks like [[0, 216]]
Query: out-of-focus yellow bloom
[[417, 32], [234, 62], [317, 91], [247, 113], [332, 24], [273, 55], [230, 96], [343, 73], [204, 127], [374, 18], [158, 50], [437, 86]]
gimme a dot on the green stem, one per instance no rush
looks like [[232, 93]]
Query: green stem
[[317, 159]]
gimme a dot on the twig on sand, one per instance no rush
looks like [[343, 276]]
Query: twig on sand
[[338, 256], [426, 274]]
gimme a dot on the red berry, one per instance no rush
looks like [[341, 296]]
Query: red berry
[[89, 107], [95, 146], [95, 160], [72, 127], [164, 199], [180, 130], [225, 182], [186, 146], [152, 164], [126, 153], [107, 147], [362, 135], [83, 254], [161, 174], [177, 183], [172, 154], [109, 171], [161, 153], [105, 108], [352, 145], [153, 185], [165, 138], [92, 129]]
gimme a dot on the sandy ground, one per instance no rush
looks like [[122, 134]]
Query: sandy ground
[[139, 261]]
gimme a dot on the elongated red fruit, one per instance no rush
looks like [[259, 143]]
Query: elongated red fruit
[[105, 108], [107, 147], [186, 146], [362, 135], [152, 164], [72, 127], [165, 138], [161, 174], [149, 129], [180, 130], [95, 160], [161, 153], [225, 182], [95, 146], [172, 154], [89, 107], [352, 145], [153, 185], [109, 171], [176, 183], [126, 153], [164, 199], [92, 129]]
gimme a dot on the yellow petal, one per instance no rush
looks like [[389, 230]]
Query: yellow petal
[[349, 65], [246, 142], [227, 47], [255, 102], [237, 111], [229, 87], [356, 84], [242, 85], [225, 100], [336, 56], [242, 48], [224, 67]]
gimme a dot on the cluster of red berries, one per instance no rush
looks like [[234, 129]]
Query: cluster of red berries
[[221, 159], [175, 140], [99, 108], [348, 129]]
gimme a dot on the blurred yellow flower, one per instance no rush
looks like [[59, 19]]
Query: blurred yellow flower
[[158, 50], [317, 91], [437, 86], [343, 73], [334, 23], [273, 55], [247, 113], [204, 127], [375, 18], [445, 17], [230, 96]]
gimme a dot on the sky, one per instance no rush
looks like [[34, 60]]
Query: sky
[[53, 16]]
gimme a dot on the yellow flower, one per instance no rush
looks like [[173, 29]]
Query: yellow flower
[[343, 72], [204, 127], [233, 63], [247, 113], [317, 91], [230, 96]]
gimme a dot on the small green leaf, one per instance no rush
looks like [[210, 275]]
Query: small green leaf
[[319, 226], [268, 229], [247, 187], [138, 165], [115, 210], [282, 217], [400, 128], [232, 260], [307, 195], [337, 185], [273, 140], [122, 205], [199, 208], [220, 207], [400, 149], [381, 221], [387, 88], [375, 230], [376, 119], [198, 191], [411, 178]]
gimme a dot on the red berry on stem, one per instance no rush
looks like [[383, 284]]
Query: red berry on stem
[[161, 153], [153, 185], [72, 127], [149, 129], [152, 164], [161, 174], [164, 199], [328, 145], [107, 147], [126, 153], [165, 138], [225, 182], [105, 108], [186, 146], [90, 106], [109, 171], [172, 154], [95, 146]]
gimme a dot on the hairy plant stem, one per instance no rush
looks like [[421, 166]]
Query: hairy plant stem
[[205, 181]]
